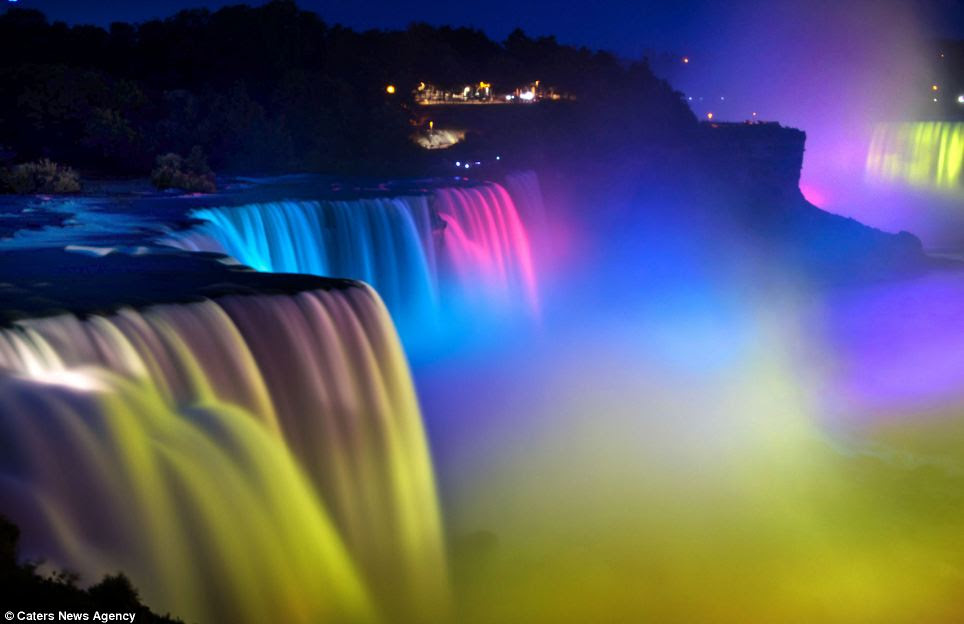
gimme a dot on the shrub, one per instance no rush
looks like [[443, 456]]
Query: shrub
[[188, 174], [42, 176]]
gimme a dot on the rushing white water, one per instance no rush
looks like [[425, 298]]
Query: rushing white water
[[249, 459]]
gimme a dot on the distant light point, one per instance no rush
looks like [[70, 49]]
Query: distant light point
[[390, 89], [934, 87], [709, 115], [686, 60]]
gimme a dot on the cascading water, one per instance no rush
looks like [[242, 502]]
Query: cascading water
[[249, 458], [927, 155], [385, 242], [526, 192], [464, 246], [485, 247]]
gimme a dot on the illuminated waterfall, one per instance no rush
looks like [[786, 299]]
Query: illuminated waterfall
[[526, 192], [419, 253], [246, 459], [385, 242], [485, 246], [921, 154]]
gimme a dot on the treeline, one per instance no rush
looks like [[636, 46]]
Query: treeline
[[274, 88], [26, 589]]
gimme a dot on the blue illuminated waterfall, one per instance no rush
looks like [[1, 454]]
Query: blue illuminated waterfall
[[386, 242]]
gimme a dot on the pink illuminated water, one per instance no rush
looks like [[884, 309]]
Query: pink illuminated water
[[485, 245]]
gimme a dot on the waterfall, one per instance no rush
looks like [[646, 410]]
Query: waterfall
[[921, 154], [385, 242], [248, 458], [456, 247], [485, 247], [526, 191]]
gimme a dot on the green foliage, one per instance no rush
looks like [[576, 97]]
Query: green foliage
[[188, 174], [43, 176]]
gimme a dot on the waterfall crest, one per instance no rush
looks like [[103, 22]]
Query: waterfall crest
[[249, 458]]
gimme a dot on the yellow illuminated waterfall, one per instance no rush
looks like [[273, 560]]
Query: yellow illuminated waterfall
[[244, 459], [926, 155]]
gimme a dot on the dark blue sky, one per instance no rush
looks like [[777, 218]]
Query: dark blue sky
[[627, 27]]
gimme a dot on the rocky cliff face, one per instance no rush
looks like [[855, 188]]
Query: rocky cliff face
[[761, 164], [764, 159]]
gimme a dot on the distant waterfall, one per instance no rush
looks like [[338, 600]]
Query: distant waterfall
[[927, 155], [385, 242], [457, 247], [246, 459], [485, 246]]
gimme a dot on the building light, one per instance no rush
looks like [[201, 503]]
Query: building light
[[709, 115], [528, 96], [390, 89], [934, 87], [421, 86], [431, 125]]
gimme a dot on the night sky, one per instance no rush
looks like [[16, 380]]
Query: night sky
[[628, 28]]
